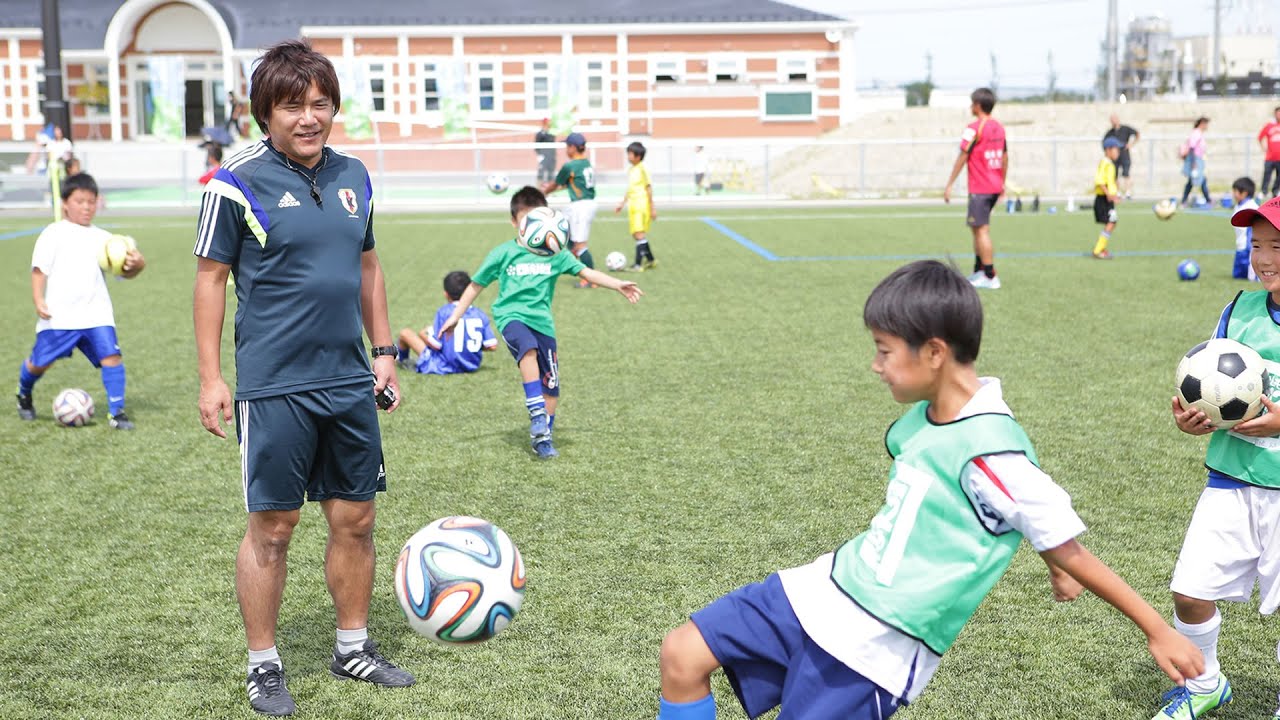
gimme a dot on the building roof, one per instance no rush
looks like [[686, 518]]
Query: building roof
[[84, 22]]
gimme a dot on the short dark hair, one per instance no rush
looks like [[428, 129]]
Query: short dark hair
[[79, 181], [1201, 119], [215, 152], [985, 97], [1244, 185], [285, 72], [636, 149], [925, 300], [455, 283], [527, 198]]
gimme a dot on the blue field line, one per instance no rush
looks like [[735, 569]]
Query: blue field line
[[741, 240], [1002, 256], [20, 233]]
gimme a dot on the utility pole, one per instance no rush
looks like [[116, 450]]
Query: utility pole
[[1113, 43], [1217, 38], [55, 108]]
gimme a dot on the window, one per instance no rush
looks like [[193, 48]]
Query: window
[[486, 82], [378, 86], [595, 85], [795, 68], [430, 87], [666, 69], [539, 74], [726, 68], [787, 103], [33, 89]]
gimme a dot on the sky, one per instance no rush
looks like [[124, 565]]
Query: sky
[[962, 36]]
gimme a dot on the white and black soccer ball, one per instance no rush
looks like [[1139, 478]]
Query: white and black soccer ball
[[459, 580], [1224, 379], [615, 261], [1165, 209], [497, 183], [73, 407], [543, 231]]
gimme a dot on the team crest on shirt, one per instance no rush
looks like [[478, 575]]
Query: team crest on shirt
[[348, 198]]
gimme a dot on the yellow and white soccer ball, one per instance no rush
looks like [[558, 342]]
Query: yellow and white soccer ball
[[1165, 209], [114, 252]]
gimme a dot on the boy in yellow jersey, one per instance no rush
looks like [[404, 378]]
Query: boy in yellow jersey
[[640, 211], [1105, 193]]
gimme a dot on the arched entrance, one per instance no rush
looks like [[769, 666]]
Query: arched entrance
[[185, 40]]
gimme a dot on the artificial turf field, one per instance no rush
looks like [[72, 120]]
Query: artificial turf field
[[727, 426]]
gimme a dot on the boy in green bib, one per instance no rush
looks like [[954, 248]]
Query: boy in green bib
[[858, 633], [1233, 539]]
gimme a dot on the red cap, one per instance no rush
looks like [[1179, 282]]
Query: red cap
[[1269, 211]]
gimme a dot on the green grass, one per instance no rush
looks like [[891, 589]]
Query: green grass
[[724, 428]]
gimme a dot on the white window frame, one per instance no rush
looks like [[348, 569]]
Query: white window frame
[[380, 69], [4, 89], [792, 64], [428, 70], [601, 72], [676, 63], [535, 70], [789, 88], [32, 75], [732, 66], [478, 74]]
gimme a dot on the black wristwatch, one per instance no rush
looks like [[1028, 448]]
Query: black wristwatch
[[379, 350]]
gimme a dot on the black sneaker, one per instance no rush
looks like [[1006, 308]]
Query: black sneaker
[[367, 664], [267, 693], [120, 421], [26, 411]]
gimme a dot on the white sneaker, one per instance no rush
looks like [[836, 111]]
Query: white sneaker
[[978, 276], [983, 282]]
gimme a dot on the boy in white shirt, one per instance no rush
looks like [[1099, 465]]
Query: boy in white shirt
[[858, 633], [1242, 191], [70, 295]]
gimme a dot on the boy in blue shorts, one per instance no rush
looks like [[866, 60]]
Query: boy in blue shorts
[[1242, 192], [859, 632], [523, 314], [461, 354], [1232, 542], [71, 299]]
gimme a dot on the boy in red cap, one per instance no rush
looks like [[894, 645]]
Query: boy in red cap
[[1231, 541]]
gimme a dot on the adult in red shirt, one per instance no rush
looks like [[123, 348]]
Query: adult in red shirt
[[984, 151], [1269, 138]]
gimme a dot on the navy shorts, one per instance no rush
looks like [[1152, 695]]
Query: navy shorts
[[521, 339], [315, 444], [96, 343], [771, 661], [980, 209]]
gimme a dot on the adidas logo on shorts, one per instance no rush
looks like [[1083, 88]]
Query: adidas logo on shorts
[[288, 201]]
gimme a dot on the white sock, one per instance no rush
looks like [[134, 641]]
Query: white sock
[[258, 658], [1205, 637], [351, 640]]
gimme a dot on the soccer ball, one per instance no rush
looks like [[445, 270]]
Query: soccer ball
[[459, 580], [615, 261], [1165, 209], [543, 231], [1188, 269], [1224, 379], [114, 252], [73, 407], [497, 183]]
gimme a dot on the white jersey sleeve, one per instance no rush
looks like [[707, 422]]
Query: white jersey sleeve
[[1009, 492], [45, 250]]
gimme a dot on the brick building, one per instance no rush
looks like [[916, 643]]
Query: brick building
[[615, 68]]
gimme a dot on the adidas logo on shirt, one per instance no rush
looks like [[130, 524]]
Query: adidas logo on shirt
[[288, 201]]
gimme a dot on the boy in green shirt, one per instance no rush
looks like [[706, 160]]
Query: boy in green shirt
[[523, 314], [858, 633], [579, 179]]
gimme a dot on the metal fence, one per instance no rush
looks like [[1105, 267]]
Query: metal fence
[[141, 175]]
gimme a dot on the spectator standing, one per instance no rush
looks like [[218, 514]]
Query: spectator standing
[[546, 155], [1192, 153], [1128, 137], [1269, 138]]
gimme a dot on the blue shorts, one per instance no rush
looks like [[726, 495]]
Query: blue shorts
[[771, 661], [521, 339], [321, 444], [96, 343]]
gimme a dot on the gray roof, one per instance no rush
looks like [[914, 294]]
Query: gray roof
[[253, 25]]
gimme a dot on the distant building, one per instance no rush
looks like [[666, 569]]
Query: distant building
[[669, 68], [1149, 59]]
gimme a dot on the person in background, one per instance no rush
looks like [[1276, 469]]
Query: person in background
[[1128, 137], [546, 155]]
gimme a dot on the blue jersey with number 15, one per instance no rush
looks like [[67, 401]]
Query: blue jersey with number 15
[[460, 351]]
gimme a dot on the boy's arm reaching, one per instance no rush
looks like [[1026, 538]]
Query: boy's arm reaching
[[459, 308], [1175, 654], [629, 290]]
